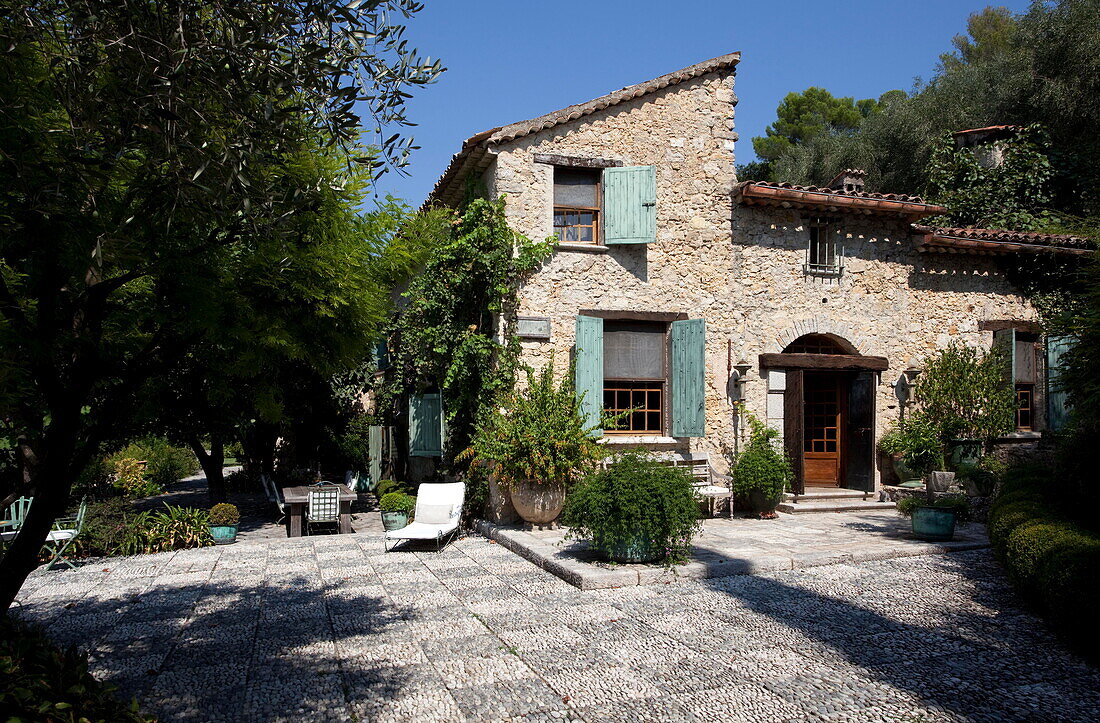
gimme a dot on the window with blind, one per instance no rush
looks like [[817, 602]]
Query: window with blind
[[635, 378], [1024, 376], [577, 205]]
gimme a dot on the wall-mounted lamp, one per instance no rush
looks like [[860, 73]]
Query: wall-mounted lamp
[[736, 373], [909, 379]]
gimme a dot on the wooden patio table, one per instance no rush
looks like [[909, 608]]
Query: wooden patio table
[[296, 499]]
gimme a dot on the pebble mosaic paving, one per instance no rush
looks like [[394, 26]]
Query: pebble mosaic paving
[[333, 628]]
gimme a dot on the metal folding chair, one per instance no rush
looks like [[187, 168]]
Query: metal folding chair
[[323, 506], [62, 535]]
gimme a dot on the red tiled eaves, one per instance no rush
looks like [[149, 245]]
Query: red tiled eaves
[[987, 129], [999, 241], [789, 195], [473, 156]]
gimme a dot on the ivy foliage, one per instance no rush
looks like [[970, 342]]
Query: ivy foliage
[[538, 434], [453, 331], [1014, 193]]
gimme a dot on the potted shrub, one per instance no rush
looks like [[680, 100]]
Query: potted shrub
[[635, 510], [224, 520], [915, 445], [935, 519], [761, 473], [968, 397], [536, 445], [396, 508]]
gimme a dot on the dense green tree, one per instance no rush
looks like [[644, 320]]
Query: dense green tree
[[151, 153], [1039, 67]]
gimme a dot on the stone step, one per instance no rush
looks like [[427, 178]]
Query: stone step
[[826, 493], [805, 506]]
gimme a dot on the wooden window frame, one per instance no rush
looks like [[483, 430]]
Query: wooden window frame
[[597, 211], [665, 383], [1025, 391], [637, 386], [821, 230]]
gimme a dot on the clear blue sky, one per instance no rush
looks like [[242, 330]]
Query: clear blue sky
[[508, 61]]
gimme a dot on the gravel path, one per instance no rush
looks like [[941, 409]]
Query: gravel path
[[331, 628]]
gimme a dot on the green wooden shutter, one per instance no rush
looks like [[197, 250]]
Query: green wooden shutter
[[426, 425], [374, 449], [1005, 341], [1057, 408], [630, 205], [688, 378], [380, 355], [589, 369]]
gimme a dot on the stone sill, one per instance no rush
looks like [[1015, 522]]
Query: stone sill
[[639, 439], [583, 248], [1019, 437]]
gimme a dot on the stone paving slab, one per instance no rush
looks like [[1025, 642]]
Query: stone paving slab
[[398, 637], [739, 546]]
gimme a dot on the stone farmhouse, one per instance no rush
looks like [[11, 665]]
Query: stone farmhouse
[[682, 290]]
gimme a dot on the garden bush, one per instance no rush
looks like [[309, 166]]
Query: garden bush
[[959, 504], [761, 468], [636, 498], [1055, 562], [397, 502], [165, 463], [130, 480], [113, 527], [386, 486], [224, 514], [41, 682]]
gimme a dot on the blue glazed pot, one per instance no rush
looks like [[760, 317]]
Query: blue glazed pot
[[223, 534], [934, 524], [394, 520], [634, 550]]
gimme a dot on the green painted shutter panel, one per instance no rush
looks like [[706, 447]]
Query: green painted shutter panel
[[1005, 341], [688, 378], [589, 369], [630, 205], [380, 355], [1057, 398], [374, 449], [426, 425]]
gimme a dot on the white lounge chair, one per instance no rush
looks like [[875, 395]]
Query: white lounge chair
[[438, 512]]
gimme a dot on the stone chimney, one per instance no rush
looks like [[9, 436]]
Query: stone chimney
[[987, 143], [850, 180]]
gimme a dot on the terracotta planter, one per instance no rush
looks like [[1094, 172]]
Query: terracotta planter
[[538, 504]]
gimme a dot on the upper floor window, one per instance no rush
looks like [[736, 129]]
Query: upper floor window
[[577, 205], [824, 254]]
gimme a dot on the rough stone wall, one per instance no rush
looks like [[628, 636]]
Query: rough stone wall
[[739, 268]]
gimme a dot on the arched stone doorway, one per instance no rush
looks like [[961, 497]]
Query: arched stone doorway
[[828, 411]]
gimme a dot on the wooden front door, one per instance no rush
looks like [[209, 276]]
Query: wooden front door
[[824, 402]]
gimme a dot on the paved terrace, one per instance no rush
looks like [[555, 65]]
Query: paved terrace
[[331, 628], [740, 546]]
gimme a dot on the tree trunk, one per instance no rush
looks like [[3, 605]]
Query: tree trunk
[[52, 477], [212, 463]]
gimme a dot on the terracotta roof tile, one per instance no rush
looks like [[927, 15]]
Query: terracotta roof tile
[[1002, 240], [835, 191]]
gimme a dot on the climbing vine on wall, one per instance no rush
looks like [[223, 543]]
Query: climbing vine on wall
[[1015, 194], [454, 327]]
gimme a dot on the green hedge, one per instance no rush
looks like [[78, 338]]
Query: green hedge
[[1055, 562], [41, 682]]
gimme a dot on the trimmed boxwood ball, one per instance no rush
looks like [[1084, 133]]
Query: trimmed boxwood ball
[[224, 514], [635, 504], [397, 502]]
